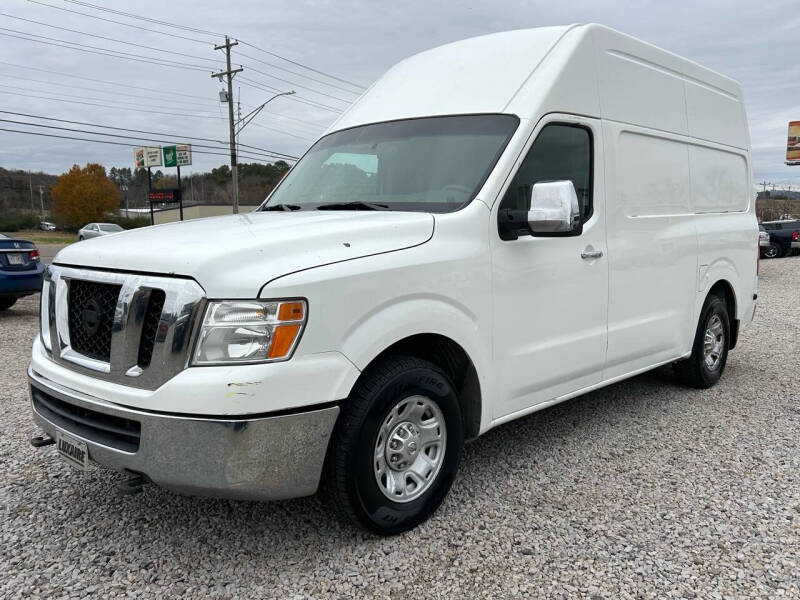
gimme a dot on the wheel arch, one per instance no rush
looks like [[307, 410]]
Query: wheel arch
[[453, 359], [724, 289]]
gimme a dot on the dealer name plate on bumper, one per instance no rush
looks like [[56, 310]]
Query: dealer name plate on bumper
[[72, 451]]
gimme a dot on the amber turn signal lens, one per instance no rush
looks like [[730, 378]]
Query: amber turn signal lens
[[290, 311], [282, 340]]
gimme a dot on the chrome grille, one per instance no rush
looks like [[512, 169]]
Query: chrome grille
[[145, 324], [152, 318], [91, 309]]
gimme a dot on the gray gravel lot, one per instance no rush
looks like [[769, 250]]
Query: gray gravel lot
[[641, 490]]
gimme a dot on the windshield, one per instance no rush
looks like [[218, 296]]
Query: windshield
[[433, 164]]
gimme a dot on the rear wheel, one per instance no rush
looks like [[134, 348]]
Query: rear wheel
[[773, 251], [396, 446], [710, 351], [6, 303]]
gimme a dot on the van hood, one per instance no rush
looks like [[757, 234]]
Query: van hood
[[234, 256]]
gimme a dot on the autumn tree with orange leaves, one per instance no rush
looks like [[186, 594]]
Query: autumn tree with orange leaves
[[83, 195]]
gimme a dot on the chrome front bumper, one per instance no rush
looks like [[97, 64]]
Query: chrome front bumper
[[253, 458]]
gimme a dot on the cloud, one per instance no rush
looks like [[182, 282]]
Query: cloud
[[755, 43]]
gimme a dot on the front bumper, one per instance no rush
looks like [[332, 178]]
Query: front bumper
[[250, 457]]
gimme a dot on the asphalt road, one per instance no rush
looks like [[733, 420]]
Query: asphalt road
[[644, 489]]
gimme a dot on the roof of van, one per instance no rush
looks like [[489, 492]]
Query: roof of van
[[585, 69]]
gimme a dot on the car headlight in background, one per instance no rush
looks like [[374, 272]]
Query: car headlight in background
[[249, 331]]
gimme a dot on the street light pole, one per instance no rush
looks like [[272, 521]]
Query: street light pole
[[245, 120]]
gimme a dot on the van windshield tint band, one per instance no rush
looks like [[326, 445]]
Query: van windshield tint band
[[431, 164]]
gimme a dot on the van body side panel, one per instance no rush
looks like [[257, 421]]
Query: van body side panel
[[652, 248]]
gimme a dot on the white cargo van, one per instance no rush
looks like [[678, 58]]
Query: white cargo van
[[495, 226]]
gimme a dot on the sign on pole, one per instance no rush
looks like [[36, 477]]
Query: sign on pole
[[166, 195], [179, 155], [147, 156], [793, 144]]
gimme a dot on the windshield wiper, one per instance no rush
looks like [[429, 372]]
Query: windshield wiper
[[284, 207], [356, 205]]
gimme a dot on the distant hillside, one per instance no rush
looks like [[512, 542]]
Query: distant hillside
[[255, 182], [16, 186]]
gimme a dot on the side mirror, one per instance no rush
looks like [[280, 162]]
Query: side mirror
[[554, 209]]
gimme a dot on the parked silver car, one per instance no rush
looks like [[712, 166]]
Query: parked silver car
[[97, 229]]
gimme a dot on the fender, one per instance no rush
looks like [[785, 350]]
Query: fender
[[411, 315]]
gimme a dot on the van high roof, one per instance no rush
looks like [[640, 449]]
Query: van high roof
[[589, 70]]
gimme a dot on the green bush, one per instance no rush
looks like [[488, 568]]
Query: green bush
[[17, 221], [132, 223]]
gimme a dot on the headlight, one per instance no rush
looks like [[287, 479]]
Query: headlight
[[249, 331]]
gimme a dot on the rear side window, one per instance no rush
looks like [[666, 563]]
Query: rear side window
[[560, 152]]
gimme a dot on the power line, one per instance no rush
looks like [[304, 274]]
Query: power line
[[148, 19], [128, 137], [146, 108], [115, 93], [274, 66], [298, 64], [212, 33], [174, 136], [66, 137], [95, 35], [126, 85], [261, 86], [295, 84], [139, 27], [102, 51]]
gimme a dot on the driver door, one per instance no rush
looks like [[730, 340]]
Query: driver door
[[551, 293]]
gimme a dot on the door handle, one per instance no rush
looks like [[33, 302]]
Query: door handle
[[590, 253]]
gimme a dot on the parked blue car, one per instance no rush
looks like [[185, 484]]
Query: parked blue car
[[20, 270]]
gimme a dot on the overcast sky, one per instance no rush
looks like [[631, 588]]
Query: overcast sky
[[757, 43]]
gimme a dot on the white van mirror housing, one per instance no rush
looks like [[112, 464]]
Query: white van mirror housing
[[554, 209]]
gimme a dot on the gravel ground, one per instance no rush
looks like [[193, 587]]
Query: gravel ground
[[641, 490]]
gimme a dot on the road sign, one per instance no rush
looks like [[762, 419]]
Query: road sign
[[179, 155], [147, 156]]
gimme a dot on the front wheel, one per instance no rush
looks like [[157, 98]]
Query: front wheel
[[396, 446], [80, 238], [710, 350]]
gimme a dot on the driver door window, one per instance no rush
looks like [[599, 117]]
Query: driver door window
[[560, 152]]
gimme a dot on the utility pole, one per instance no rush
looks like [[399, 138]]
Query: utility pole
[[41, 199], [765, 184], [228, 74], [30, 186]]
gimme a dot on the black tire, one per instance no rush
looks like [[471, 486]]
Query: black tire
[[7, 302], [694, 371], [349, 483], [773, 250], [80, 238]]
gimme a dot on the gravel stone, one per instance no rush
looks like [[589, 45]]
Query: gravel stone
[[644, 489]]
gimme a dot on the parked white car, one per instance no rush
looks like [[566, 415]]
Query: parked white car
[[466, 245], [47, 226], [93, 230]]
